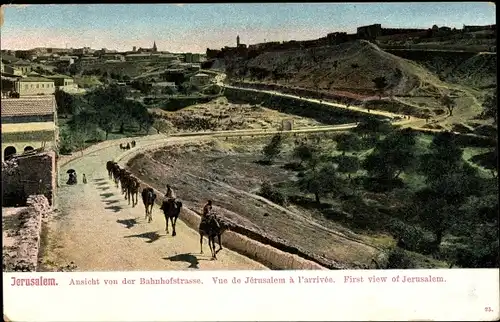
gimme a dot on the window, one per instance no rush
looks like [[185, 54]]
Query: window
[[31, 86], [43, 85]]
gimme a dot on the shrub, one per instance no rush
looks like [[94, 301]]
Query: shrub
[[400, 259], [415, 238], [268, 191]]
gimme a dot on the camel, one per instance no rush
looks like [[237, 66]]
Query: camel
[[171, 209], [211, 227], [148, 198], [109, 167], [133, 189], [116, 173], [124, 180]]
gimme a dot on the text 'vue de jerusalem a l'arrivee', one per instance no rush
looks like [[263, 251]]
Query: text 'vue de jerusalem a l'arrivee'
[[347, 279]]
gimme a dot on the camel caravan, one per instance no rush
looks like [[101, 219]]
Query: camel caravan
[[210, 226]]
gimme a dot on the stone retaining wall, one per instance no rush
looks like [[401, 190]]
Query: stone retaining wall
[[323, 113], [28, 175], [22, 239]]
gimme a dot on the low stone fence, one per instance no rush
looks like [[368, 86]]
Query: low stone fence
[[22, 229], [265, 254]]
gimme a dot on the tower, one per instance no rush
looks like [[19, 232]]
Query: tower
[[154, 47], [238, 41]]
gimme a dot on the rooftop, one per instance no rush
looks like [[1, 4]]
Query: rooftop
[[59, 76], [201, 75], [35, 105], [21, 63], [35, 79], [138, 55]]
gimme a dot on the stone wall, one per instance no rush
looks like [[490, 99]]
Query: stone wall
[[29, 175], [21, 230], [323, 113]]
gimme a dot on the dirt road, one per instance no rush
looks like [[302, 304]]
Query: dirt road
[[97, 230]]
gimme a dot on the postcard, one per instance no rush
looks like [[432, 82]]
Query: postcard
[[250, 162]]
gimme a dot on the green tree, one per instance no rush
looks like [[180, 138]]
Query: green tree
[[380, 84], [304, 153], [449, 103], [349, 142], [444, 157], [392, 156], [160, 126], [64, 102], [273, 148], [438, 205], [373, 126], [490, 107], [347, 164], [320, 182]]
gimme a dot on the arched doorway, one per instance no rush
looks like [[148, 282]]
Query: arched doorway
[[28, 148], [9, 152]]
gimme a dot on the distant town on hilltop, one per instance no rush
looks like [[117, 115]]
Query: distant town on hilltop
[[386, 38]]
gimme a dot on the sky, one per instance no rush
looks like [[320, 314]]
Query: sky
[[196, 27]]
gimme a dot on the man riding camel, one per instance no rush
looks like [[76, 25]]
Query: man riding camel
[[170, 193], [207, 208], [170, 196]]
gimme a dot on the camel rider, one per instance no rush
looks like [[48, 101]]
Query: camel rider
[[207, 208], [170, 195]]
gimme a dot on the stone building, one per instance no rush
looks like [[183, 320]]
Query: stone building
[[23, 66], [28, 123], [63, 82], [370, 32], [34, 85], [200, 79]]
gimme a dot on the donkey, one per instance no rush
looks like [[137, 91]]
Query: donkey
[[148, 198], [171, 209]]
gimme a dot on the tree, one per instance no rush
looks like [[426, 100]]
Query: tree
[[373, 126], [320, 181], [64, 102], [490, 107], [380, 84], [304, 152], [111, 105], [273, 148], [449, 103], [161, 126], [349, 142], [445, 157], [438, 205], [480, 226], [392, 156], [347, 164]]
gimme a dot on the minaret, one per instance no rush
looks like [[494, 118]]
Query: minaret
[[154, 47], [238, 41]]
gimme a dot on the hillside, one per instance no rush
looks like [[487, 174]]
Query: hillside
[[478, 71], [349, 66]]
